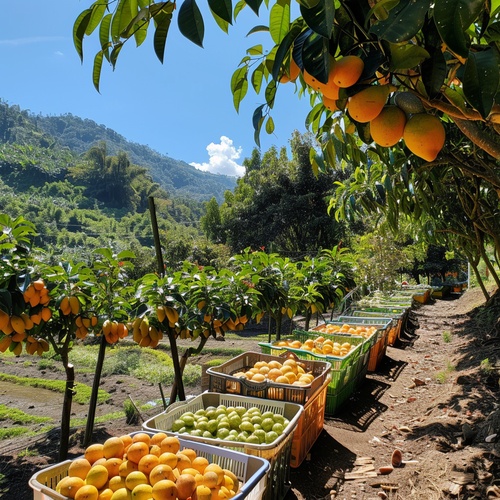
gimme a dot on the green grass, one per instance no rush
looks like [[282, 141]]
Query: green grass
[[18, 416], [485, 367], [447, 336], [13, 432], [443, 375], [82, 391]]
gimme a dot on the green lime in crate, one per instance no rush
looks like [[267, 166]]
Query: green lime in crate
[[344, 373], [249, 471], [258, 375], [275, 446]]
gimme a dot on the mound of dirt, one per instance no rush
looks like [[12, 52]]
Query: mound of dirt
[[433, 398]]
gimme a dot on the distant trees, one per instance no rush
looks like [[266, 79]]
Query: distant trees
[[279, 204]]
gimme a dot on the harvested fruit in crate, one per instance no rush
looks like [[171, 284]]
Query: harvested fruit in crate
[[362, 330], [289, 372], [319, 345], [232, 424], [146, 466]]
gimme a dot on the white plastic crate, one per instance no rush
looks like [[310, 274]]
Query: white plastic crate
[[250, 470]]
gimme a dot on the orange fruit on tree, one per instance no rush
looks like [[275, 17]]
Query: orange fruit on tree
[[69, 486], [328, 89], [165, 490], [87, 492], [424, 135], [94, 452], [387, 128], [330, 104], [97, 476], [347, 70], [368, 103], [290, 74], [113, 447], [79, 467]]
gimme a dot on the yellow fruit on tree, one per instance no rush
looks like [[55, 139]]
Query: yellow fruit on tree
[[160, 313], [329, 89], [387, 128], [368, 103], [28, 323], [17, 324], [5, 342], [172, 314], [330, 104], [74, 305], [290, 73], [64, 306], [18, 349], [347, 70], [4, 320], [424, 135]]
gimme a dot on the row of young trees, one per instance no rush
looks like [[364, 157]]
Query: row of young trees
[[44, 305]]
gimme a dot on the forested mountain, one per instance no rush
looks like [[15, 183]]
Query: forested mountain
[[79, 135]]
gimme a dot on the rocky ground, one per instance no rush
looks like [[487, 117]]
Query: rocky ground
[[434, 398]]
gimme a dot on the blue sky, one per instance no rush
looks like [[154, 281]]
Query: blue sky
[[182, 109]]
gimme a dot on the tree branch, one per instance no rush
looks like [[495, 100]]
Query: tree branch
[[472, 132]]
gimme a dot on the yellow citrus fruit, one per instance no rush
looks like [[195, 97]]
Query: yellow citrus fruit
[[113, 466], [147, 463], [183, 461], [171, 444], [97, 476], [424, 135], [122, 494], [190, 453], [69, 486], [113, 447], [135, 478], [169, 458], [127, 440], [79, 467], [186, 485], [105, 494], [136, 451], [165, 490], [203, 492], [387, 128], [157, 438], [116, 482], [368, 103], [347, 70], [200, 464], [160, 472], [330, 104], [141, 437], [142, 492], [94, 452], [87, 492], [210, 479]]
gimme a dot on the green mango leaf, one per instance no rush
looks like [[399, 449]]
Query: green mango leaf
[[481, 80], [453, 18], [190, 22], [279, 20], [120, 20], [79, 29], [269, 125], [239, 86], [223, 9], [254, 5], [113, 57], [96, 70], [163, 22], [320, 17], [256, 50], [257, 76], [404, 21], [258, 29], [134, 23], [238, 8], [104, 35], [309, 4], [434, 72], [257, 120], [493, 32], [98, 10], [406, 56], [223, 25], [284, 48], [270, 93], [316, 57]]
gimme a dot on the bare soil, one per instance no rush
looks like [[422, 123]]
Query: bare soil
[[433, 398]]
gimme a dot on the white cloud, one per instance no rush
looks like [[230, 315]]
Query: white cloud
[[222, 159]]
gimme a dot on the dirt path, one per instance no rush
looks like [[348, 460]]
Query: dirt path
[[429, 399]]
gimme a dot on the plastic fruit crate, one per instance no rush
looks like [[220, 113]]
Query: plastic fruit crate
[[309, 426], [379, 347], [345, 370], [250, 470], [221, 379], [277, 453]]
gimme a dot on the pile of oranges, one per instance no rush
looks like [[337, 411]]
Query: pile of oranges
[[144, 467], [319, 346], [288, 372], [332, 329]]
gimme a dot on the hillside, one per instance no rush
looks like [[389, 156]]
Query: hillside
[[79, 135]]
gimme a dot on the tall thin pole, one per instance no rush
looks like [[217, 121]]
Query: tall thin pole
[[156, 236]]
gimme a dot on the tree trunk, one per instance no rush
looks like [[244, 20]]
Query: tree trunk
[[89, 429], [66, 411], [177, 366]]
